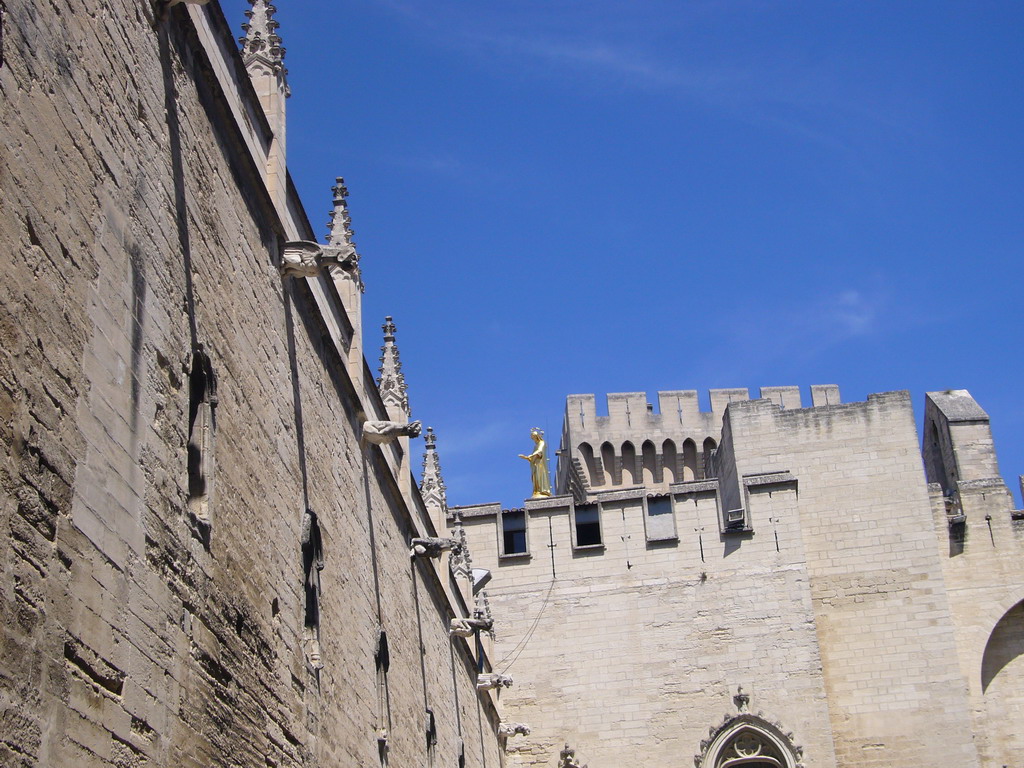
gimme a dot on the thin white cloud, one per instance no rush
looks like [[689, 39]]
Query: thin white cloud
[[622, 46]]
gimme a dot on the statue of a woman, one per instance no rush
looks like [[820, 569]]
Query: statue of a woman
[[539, 465]]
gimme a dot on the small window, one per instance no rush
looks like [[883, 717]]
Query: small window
[[513, 532], [587, 521], [202, 404], [660, 522]]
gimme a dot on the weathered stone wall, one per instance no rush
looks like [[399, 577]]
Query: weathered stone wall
[[632, 651], [137, 225], [980, 543], [851, 609], [881, 608]]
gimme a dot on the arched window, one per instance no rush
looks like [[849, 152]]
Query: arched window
[[608, 460], [628, 464], [690, 460], [669, 460], [651, 474], [751, 742], [202, 425]]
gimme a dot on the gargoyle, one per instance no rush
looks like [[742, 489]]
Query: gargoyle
[[505, 730], [304, 258], [430, 547], [381, 432], [489, 682], [467, 627]]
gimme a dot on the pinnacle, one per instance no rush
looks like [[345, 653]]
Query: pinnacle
[[393, 390], [261, 43]]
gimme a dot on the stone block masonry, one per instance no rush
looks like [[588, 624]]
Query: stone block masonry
[[142, 232], [840, 607]]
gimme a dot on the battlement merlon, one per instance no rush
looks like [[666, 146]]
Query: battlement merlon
[[957, 440], [631, 413]]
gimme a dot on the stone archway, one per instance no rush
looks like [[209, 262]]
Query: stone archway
[[748, 741], [1002, 686]]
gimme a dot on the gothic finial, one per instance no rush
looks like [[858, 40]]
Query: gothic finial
[[741, 699], [391, 383], [432, 486], [339, 227], [261, 45]]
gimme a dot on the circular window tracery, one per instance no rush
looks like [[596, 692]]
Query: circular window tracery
[[748, 741]]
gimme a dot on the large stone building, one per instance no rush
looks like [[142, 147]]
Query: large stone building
[[206, 498], [214, 552], [763, 585]]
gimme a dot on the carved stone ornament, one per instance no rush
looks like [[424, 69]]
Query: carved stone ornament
[[567, 758], [489, 682], [304, 258], [506, 730], [748, 738], [381, 432], [430, 547], [741, 699], [463, 627]]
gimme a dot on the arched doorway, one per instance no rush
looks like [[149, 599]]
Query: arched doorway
[[748, 741]]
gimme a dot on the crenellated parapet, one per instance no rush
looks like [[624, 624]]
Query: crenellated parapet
[[637, 444]]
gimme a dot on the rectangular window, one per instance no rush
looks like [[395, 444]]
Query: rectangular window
[[513, 532], [588, 525], [660, 523]]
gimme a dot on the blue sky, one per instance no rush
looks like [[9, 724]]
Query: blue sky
[[560, 197]]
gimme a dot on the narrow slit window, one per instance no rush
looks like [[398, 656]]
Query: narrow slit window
[[513, 531], [201, 430], [312, 564], [588, 525]]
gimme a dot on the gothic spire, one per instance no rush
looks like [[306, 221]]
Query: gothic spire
[[339, 229], [432, 487], [261, 45], [340, 225], [391, 383]]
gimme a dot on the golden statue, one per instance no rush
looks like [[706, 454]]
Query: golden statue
[[539, 465]]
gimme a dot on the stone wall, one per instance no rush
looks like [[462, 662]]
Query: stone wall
[[882, 612], [631, 651], [137, 226], [875, 617]]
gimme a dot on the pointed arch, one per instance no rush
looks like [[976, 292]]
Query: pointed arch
[[690, 460], [749, 741], [649, 464], [709, 447], [1002, 685], [586, 453], [669, 462], [628, 464], [1005, 646], [608, 459]]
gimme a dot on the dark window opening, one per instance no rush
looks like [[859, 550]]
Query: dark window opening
[[202, 403], [588, 525], [382, 656], [513, 529], [312, 564], [431, 731]]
